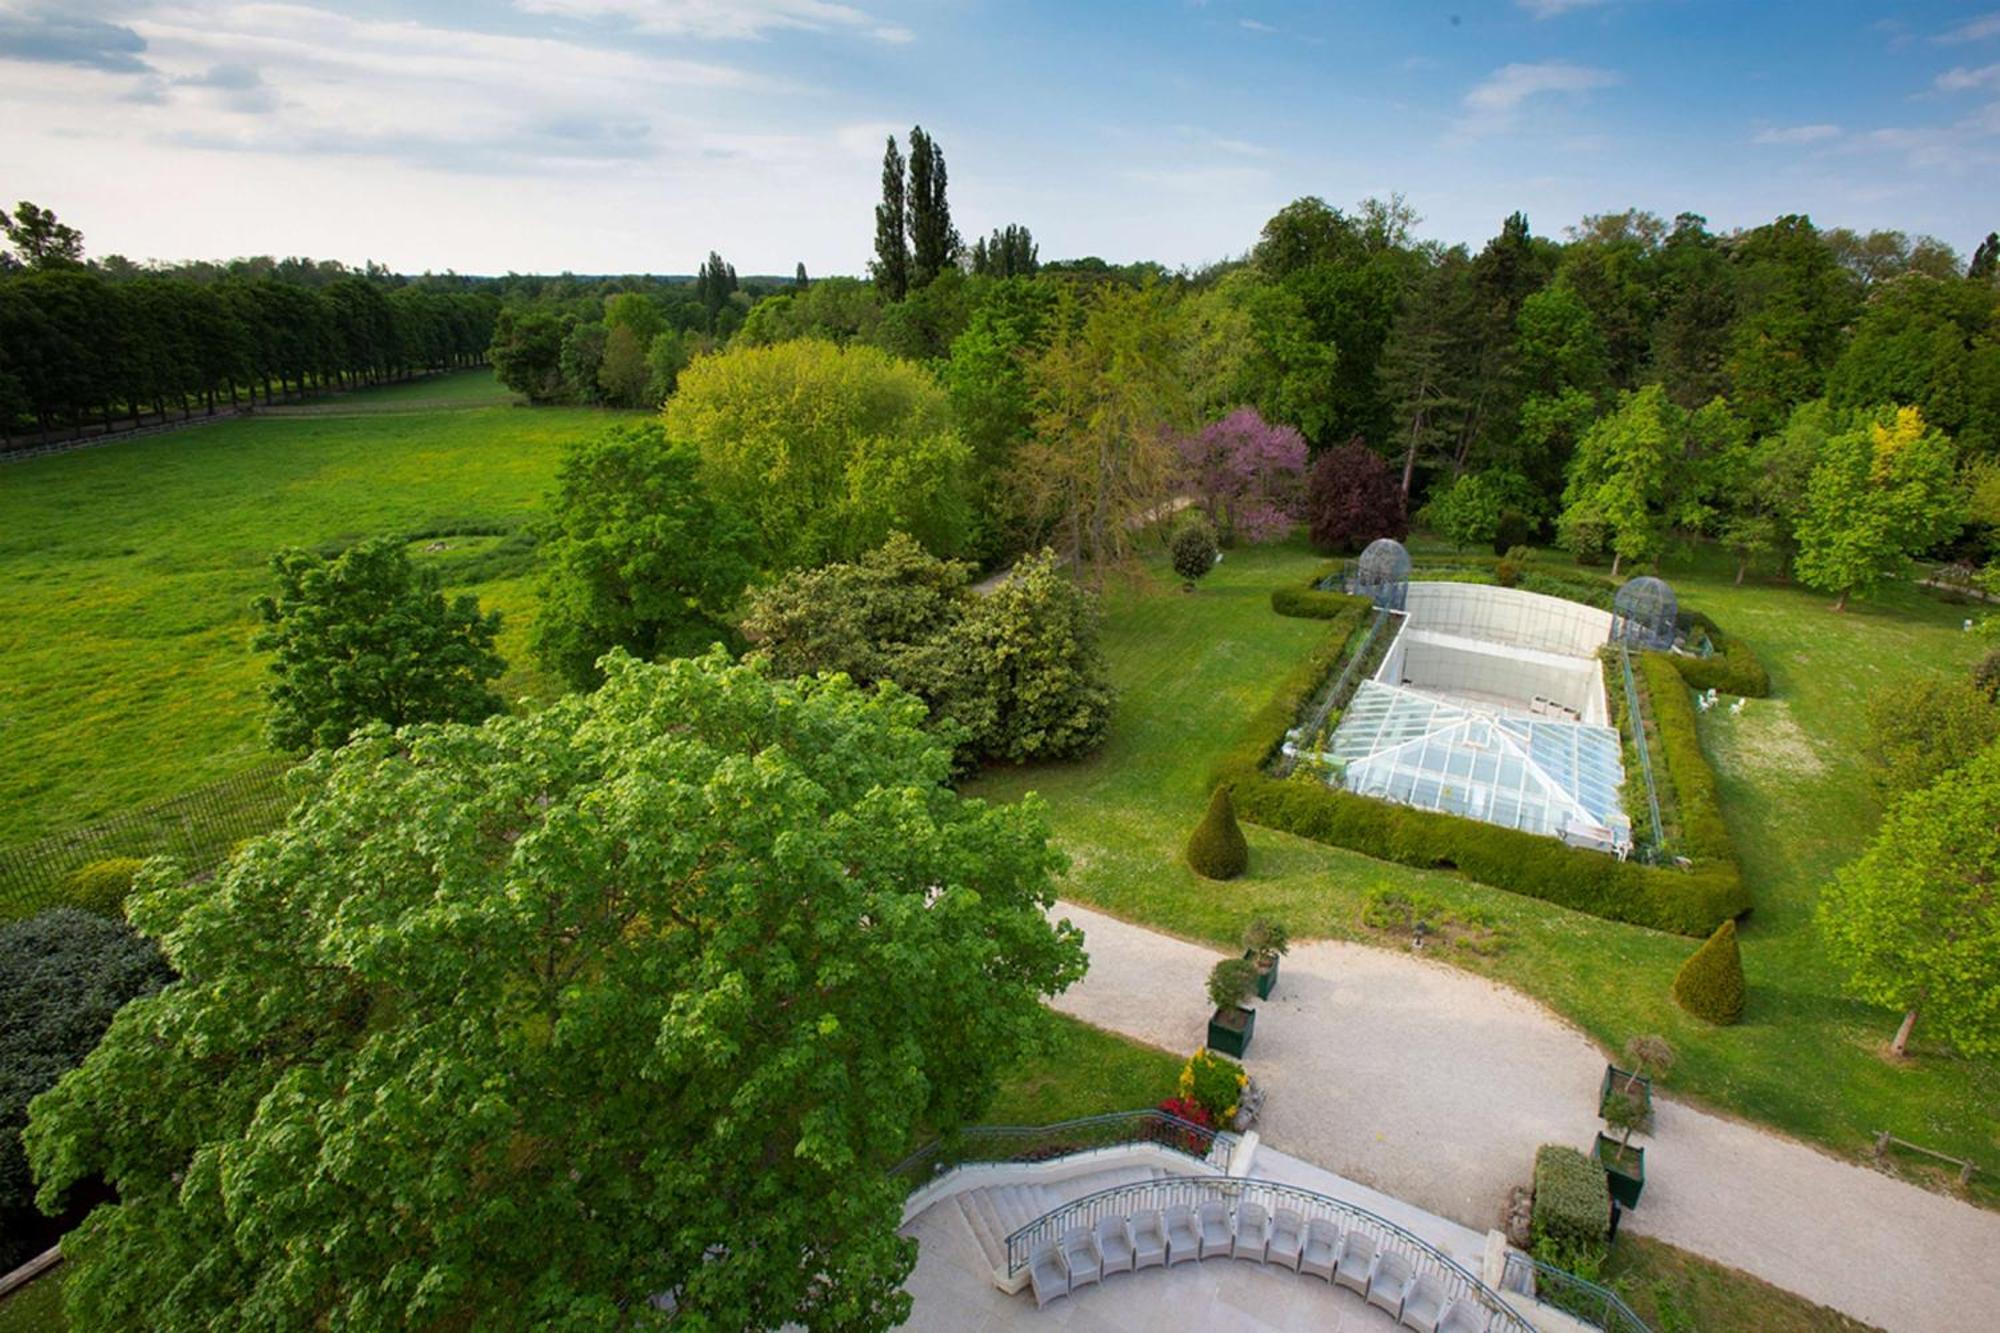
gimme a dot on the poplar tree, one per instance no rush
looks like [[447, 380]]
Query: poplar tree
[[933, 240], [891, 269]]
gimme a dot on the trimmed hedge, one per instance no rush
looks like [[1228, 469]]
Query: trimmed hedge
[[1686, 902], [1308, 601], [1710, 983], [1572, 1200], [1216, 849], [1733, 670]]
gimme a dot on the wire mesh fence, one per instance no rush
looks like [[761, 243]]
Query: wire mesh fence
[[198, 827]]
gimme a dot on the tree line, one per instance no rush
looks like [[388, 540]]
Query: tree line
[[82, 345]]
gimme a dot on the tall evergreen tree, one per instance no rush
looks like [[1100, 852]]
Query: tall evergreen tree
[[1010, 253], [891, 268], [934, 241], [1985, 259], [799, 279], [713, 283]]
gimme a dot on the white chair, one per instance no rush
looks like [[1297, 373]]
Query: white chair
[[1216, 1234], [1463, 1316], [1183, 1233], [1080, 1257], [1288, 1239], [1357, 1261], [1322, 1248], [1149, 1240], [1253, 1233], [1115, 1249], [1390, 1281], [1047, 1275], [1422, 1304]]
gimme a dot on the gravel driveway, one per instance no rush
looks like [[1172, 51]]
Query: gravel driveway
[[1436, 1086]]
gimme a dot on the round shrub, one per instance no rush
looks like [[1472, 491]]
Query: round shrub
[[1216, 850], [63, 974], [1215, 1084], [1194, 548], [1710, 983], [101, 886], [1506, 573], [1514, 532]]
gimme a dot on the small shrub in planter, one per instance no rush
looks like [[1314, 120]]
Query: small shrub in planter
[[1647, 1056], [1265, 941], [101, 886], [1624, 1165], [1710, 983], [1216, 849], [1572, 1209], [1230, 983]]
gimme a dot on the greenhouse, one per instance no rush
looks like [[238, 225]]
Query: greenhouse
[[1645, 614], [1382, 574], [1489, 704], [1552, 776]]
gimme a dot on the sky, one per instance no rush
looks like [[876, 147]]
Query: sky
[[622, 136]]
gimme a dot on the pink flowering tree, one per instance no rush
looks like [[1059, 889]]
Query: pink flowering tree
[[1248, 474]]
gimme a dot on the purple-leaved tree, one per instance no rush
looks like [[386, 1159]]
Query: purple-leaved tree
[[1248, 474]]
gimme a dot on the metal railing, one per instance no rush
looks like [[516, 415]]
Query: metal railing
[[1041, 1143], [1638, 719], [1454, 1280], [1596, 1305]]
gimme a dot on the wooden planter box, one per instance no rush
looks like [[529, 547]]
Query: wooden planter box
[[1617, 1078], [1267, 978], [1229, 1030], [1625, 1170]]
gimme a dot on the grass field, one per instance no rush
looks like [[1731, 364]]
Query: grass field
[[127, 572], [1191, 668]]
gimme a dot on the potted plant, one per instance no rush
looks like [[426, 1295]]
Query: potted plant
[[1624, 1165], [1264, 942], [1230, 983], [1648, 1055]]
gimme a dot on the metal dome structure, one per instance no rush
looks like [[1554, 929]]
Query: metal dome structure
[[1645, 613], [1382, 574]]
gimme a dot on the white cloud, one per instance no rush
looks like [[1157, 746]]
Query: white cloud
[[1493, 101], [1974, 30], [1253, 25], [1961, 80], [725, 19], [1796, 134], [1548, 9]]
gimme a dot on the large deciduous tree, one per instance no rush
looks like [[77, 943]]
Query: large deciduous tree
[[607, 1016], [635, 555], [1247, 474], [366, 636], [1621, 472], [825, 450], [39, 239], [1352, 497], [1915, 920], [1107, 391], [1880, 492]]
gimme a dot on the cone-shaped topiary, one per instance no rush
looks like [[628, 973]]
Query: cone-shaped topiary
[[1217, 850], [1710, 983]]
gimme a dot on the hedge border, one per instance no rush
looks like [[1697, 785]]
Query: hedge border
[[1686, 902]]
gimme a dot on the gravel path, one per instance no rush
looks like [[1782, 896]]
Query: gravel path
[[1436, 1086]]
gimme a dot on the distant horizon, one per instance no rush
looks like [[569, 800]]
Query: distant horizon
[[619, 137]]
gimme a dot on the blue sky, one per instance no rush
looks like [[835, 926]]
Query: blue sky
[[623, 135]]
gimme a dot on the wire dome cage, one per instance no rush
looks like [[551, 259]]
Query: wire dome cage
[[1382, 574], [1645, 613]]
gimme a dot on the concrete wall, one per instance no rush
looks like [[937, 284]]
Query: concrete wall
[[1510, 616]]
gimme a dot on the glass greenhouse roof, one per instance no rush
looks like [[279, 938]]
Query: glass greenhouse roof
[[1546, 775]]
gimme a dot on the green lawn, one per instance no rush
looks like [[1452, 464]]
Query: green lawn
[[126, 574], [1191, 667], [1678, 1292], [1080, 1071], [35, 1308]]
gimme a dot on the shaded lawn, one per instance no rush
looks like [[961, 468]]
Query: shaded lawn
[[1191, 668], [127, 572]]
